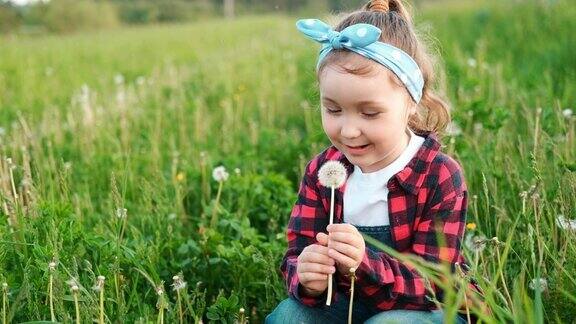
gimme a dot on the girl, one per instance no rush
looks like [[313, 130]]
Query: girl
[[381, 116]]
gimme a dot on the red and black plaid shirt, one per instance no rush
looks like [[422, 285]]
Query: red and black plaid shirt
[[428, 194]]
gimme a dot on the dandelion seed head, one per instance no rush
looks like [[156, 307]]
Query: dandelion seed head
[[220, 174], [237, 171], [453, 129], [52, 266], [172, 216], [352, 270], [241, 310], [332, 174], [565, 223], [74, 288], [121, 212], [471, 62], [101, 278], [178, 283], [567, 113], [475, 243], [540, 284], [4, 285]]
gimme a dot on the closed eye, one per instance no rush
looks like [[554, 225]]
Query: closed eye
[[371, 115], [332, 111]]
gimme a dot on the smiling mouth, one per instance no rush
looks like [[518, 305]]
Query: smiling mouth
[[357, 147]]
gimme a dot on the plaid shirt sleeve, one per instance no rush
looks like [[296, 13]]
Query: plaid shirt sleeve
[[307, 218], [391, 284]]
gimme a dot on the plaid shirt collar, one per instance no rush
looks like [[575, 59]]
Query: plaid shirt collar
[[413, 175]]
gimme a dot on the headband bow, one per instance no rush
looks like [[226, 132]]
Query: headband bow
[[363, 39]]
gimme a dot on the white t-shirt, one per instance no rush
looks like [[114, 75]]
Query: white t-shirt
[[366, 194]]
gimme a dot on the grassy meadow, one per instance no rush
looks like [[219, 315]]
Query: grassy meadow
[[108, 142]]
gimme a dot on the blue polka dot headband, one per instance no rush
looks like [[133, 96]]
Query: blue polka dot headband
[[363, 39]]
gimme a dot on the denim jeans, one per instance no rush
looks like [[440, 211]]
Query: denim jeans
[[291, 311]]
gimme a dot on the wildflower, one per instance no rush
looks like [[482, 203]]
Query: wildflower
[[219, 174], [471, 226], [453, 129], [540, 284], [471, 62], [67, 165], [4, 286], [566, 224], [332, 174], [159, 290], [180, 177], [179, 283], [52, 266], [475, 243], [567, 113], [121, 212], [237, 171]]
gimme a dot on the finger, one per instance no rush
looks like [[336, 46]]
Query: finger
[[315, 267], [346, 249], [317, 248], [347, 228], [343, 237], [312, 276], [343, 259], [315, 257], [322, 238]]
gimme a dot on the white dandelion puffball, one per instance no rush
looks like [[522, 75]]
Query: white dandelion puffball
[[332, 174], [540, 284], [567, 113], [566, 224], [220, 174]]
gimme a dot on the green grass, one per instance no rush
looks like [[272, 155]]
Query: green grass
[[86, 143]]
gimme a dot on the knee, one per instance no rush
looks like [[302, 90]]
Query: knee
[[284, 312], [406, 316]]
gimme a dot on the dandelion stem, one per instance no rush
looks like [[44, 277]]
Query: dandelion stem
[[4, 302], [50, 289], [101, 321], [214, 219], [352, 280], [329, 296], [180, 313], [77, 306]]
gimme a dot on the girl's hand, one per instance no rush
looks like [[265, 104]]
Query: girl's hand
[[345, 245], [313, 268]]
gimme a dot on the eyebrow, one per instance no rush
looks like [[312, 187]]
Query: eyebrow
[[358, 104]]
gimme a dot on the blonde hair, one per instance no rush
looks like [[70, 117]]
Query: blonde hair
[[433, 113]]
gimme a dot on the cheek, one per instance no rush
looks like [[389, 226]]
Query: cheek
[[330, 125]]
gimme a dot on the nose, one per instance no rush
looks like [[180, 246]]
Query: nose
[[349, 129]]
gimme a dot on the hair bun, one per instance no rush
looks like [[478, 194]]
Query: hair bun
[[378, 5]]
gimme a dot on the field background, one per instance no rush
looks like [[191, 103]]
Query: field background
[[131, 122]]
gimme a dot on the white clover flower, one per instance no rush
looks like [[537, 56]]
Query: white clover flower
[[159, 291], [219, 174], [565, 223], [471, 62], [178, 283], [121, 212], [332, 174], [567, 113], [540, 284], [453, 129]]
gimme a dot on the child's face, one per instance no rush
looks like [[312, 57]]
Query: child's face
[[365, 117]]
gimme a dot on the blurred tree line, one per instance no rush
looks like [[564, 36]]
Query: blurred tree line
[[70, 15]]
